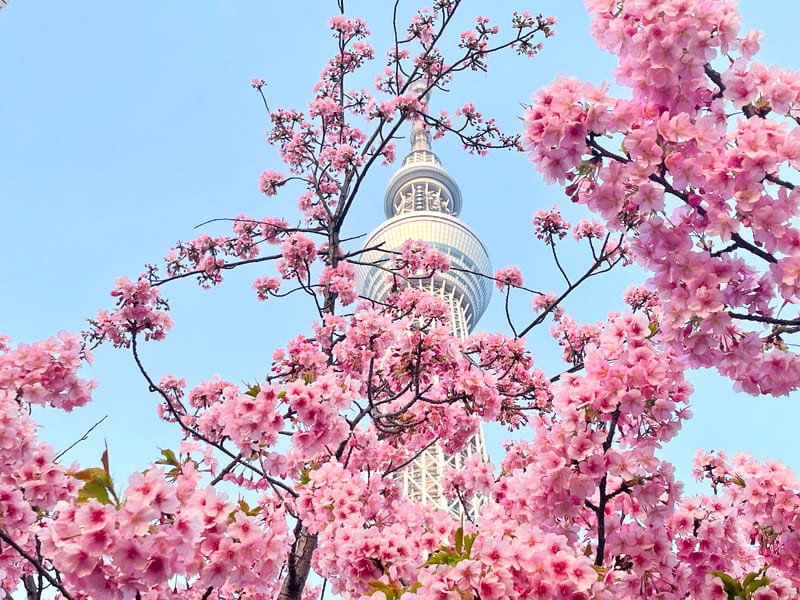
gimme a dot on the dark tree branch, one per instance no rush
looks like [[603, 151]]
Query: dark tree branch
[[762, 319], [36, 565], [594, 269]]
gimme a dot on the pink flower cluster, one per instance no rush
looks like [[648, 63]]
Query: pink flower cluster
[[697, 184], [31, 482], [297, 254], [340, 280], [160, 532], [266, 286], [140, 310], [46, 372], [550, 226], [508, 277], [573, 338], [419, 260], [336, 504], [589, 230], [270, 182]]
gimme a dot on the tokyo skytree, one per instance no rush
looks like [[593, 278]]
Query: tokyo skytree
[[422, 203]]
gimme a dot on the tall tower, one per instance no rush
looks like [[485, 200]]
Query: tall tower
[[422, 203]]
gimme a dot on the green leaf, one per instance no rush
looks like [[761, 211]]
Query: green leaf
[[587, 167], [379, 586], [89, 474], [751, 582], [169, 459], [453, 556], [468, 541], [745, 589], [749, 578], [251, 512], [97, 485], [600, 570], [732, 587], [96, 490], [756, 584], [253, 390], [305, 476], [442, 557]]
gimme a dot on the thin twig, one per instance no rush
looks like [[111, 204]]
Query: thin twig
[[83, 438]]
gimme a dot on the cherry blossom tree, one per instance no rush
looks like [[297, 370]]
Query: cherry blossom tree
[[294, 473]]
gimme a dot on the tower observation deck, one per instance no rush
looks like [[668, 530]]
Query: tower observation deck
[[422, 203]]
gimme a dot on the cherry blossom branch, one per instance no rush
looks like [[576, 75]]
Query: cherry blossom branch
[[778, 181], [716, 78], [312, 230], [744, 244], [558, 264], [476, 142], [683, 196], [601, 505], [226, 469], [224, 267], [508, 312], [392, 469], [495, 279], [356, 177], [725, 250], [594, 269], [35, 588], [193, 432], [40, 569], [428, 50], [396, 41], [207, 593], [259, 87], [467, 61]]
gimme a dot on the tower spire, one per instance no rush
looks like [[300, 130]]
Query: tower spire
[[420, 135], [421, 183]]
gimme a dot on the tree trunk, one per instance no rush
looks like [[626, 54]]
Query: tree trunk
[[299, 564]]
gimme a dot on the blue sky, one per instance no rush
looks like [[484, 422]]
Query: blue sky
[[123, 126]]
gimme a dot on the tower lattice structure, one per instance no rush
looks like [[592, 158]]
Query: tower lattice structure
[[422, 203]]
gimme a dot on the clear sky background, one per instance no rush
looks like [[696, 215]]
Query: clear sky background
[[124, 125]]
